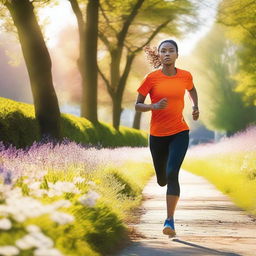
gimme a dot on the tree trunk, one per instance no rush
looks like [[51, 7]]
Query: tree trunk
[[136, 120], [89, 70], [38, 64], [117, 111], [119, 83]]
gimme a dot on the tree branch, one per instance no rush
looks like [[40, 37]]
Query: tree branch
[[79, 16], [107, 19], [155, 32], [125, 74], [253, 35], [110, 90], [234, 24], [105, 40], [239, 9], [121, 35]]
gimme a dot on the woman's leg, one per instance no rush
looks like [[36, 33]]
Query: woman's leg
[[177, 150], [159, 151], [171, 202]]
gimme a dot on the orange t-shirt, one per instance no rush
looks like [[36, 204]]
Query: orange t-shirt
[[170, 120]]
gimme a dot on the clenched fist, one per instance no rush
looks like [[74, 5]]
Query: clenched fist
[[161, 104], [195, 113]]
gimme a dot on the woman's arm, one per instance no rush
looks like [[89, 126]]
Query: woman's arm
[[194, 99], [140, 106]]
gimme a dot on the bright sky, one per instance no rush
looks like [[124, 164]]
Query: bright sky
[[61, 15], [207, 15], [57, 17]]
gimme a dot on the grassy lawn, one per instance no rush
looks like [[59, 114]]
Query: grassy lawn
[[228, 166]]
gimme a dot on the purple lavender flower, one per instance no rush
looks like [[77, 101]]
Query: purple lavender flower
[[7, 178]]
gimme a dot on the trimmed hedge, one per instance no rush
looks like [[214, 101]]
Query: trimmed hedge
[[19, 127]]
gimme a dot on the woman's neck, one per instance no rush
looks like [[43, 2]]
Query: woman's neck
[[169, 70]]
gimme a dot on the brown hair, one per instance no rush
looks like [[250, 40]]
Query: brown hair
[[152, 56], [152, 53]]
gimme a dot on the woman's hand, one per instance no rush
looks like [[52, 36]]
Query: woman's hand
[[161, 104], [195, 113]]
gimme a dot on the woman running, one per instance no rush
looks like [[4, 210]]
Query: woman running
[[169, 133]]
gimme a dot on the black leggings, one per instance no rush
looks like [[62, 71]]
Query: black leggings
[[168, 153]]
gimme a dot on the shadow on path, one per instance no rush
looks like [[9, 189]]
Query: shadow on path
[[141, 249], [206, 249]]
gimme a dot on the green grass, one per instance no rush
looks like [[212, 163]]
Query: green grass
[[19, 127], [232, 173]]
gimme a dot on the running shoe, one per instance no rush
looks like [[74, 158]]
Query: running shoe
[[169, 228]]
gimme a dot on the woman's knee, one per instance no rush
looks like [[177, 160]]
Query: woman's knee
[[173, 187], [162, 182], [172, 176]]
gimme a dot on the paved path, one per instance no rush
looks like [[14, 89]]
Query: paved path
[[206, 222]]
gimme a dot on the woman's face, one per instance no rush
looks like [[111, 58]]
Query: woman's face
[[167, 53]]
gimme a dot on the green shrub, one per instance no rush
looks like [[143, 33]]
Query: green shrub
[[17, 123], [19, 127]]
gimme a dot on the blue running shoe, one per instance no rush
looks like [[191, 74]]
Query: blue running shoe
[[169, 228]]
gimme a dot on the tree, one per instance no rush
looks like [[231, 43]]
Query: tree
[[239, 19], [87, 62], [222, 108], [125, 28], [38, 64]]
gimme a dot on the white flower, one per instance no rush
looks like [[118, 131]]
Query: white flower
[[67, 187], [78, 180], [13, 194], [24, 243], [41, 240], [3, 210], [38, 192], [48, 252], [62, 218], [25, 207], [62, 187], [9, 250], [52, 193], [33, 228], [34, 185], [34, 239], [89, 199], [50, 184], [93, 194], [5, 224], [61, 203], [19, 217]]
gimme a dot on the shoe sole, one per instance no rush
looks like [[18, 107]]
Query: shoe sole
[[168, 231]]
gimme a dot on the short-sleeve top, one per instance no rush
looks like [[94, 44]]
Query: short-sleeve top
[[168, 121]]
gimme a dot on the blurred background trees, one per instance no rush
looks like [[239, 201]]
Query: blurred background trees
[[38, 63], [222, 107], [239, 20], [87, 22], [98, 61]]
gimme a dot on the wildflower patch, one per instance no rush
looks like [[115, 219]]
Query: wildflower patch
[[64, 199]]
